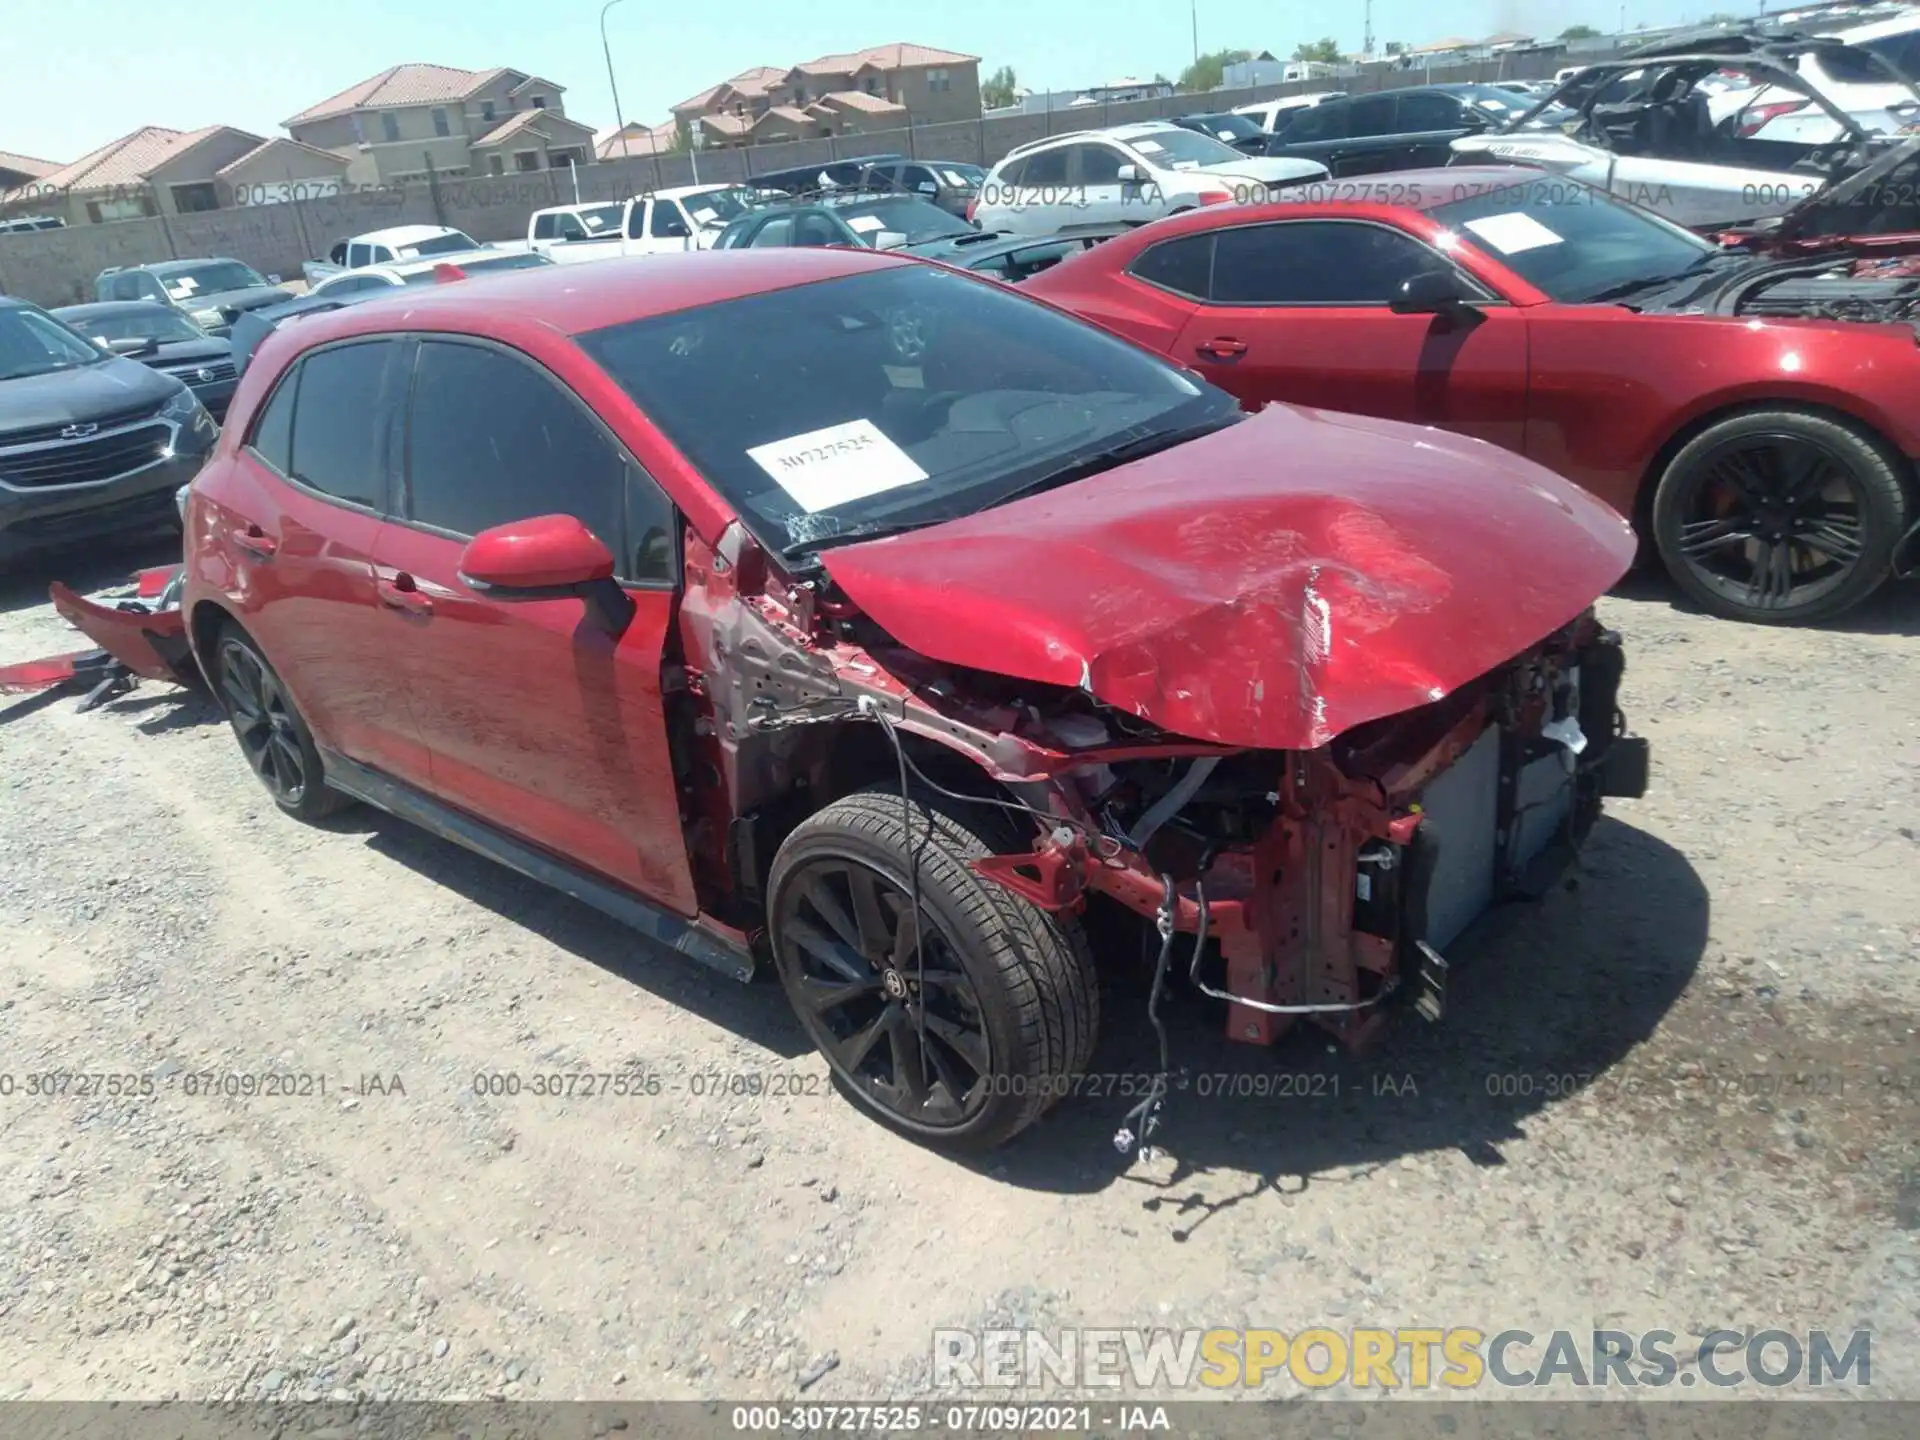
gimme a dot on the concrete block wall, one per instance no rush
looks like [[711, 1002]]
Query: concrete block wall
[[56, 267]]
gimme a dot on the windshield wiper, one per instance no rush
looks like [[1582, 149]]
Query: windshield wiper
[[1136, 448], [1650, 282]]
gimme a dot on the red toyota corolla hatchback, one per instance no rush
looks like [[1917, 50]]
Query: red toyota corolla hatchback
[[849, 610], [1751, 408]]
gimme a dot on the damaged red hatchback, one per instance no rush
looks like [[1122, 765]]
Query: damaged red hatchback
[[849, 610]]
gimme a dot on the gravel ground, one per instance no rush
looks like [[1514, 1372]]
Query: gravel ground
[[1734, 964]]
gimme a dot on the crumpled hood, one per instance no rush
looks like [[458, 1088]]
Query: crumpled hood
[[1269, 585]]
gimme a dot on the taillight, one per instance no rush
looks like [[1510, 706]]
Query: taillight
[[972, 206], [1758, 115], [1214, 197], [446, 271]]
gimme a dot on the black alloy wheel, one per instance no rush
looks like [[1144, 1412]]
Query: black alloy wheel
[[959, 1022], [273, 738], [903, 1022], [1779, 518]]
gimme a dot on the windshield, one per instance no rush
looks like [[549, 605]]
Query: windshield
[[600, 219], [961, 177], [157, 323], [440, 245], [1570, 241], [719, 207], [34, 343], [915, 219], [210, 279], [1867, 62], [1237, 126], [1177, 149], [897, 397]]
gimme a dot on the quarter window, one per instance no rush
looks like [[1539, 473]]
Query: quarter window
[[273, 431], [1184, 266], [537, 453], [337, 444], [1314, 263]]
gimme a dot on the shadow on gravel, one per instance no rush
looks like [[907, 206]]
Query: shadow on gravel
[[1539, 997], [1892, 610], [757, 1013], [96, 566]]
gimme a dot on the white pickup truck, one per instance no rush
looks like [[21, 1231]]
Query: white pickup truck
[[388, 247], [689, 218]]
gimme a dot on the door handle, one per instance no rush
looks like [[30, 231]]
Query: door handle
[[1222, 347], [256, 542], [401, 593]]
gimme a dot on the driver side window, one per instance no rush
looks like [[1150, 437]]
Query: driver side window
[[1315, 262], [666, 222]]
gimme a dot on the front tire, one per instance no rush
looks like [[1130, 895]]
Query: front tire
[[273, 737], [969, 1041], [1780, 517]]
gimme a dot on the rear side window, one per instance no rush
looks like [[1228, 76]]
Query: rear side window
[[1430, 110], [1049, 167], [1372, 115], [1013, 174], [1184, 266], [338, 445], [1322, 122], [536, 454], [273, 432]]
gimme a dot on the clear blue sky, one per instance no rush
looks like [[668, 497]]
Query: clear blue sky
[[82, 72]]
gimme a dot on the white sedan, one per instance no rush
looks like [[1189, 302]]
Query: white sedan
[[424, 272]]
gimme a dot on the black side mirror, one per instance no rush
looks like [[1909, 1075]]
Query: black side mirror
[[1432, 292]]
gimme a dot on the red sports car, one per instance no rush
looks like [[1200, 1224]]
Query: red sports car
[[848, 608], [1770, 457]]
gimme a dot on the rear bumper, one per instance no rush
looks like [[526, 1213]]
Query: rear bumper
[[42, 518]]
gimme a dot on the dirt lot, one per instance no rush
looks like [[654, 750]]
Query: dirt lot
[[1734, 965]]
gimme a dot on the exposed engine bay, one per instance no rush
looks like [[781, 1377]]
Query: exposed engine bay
[[1315, 884], [1885, 292]]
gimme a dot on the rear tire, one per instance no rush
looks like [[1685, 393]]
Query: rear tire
[[1780, 517], [273, 737], [972, 1041]]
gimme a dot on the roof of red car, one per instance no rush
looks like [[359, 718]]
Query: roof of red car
[[577, 298]]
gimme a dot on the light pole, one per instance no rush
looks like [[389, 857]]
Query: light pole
[[613, 84], [1193, 10]]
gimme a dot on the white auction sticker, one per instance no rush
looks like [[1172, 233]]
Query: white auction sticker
[[825, 468], [1512, 233], [865, 223]]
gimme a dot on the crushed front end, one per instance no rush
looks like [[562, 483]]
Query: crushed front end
[[1320, 884]]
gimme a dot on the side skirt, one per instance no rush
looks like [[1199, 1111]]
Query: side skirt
[[402, 800]]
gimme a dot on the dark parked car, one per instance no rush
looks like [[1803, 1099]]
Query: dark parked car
[[743, 544], [946, 183], [1012, 258], [879, 222], [91, 443], [208, 292], [813, 179], [1242, 132], [163, 338], [1399, 129]]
